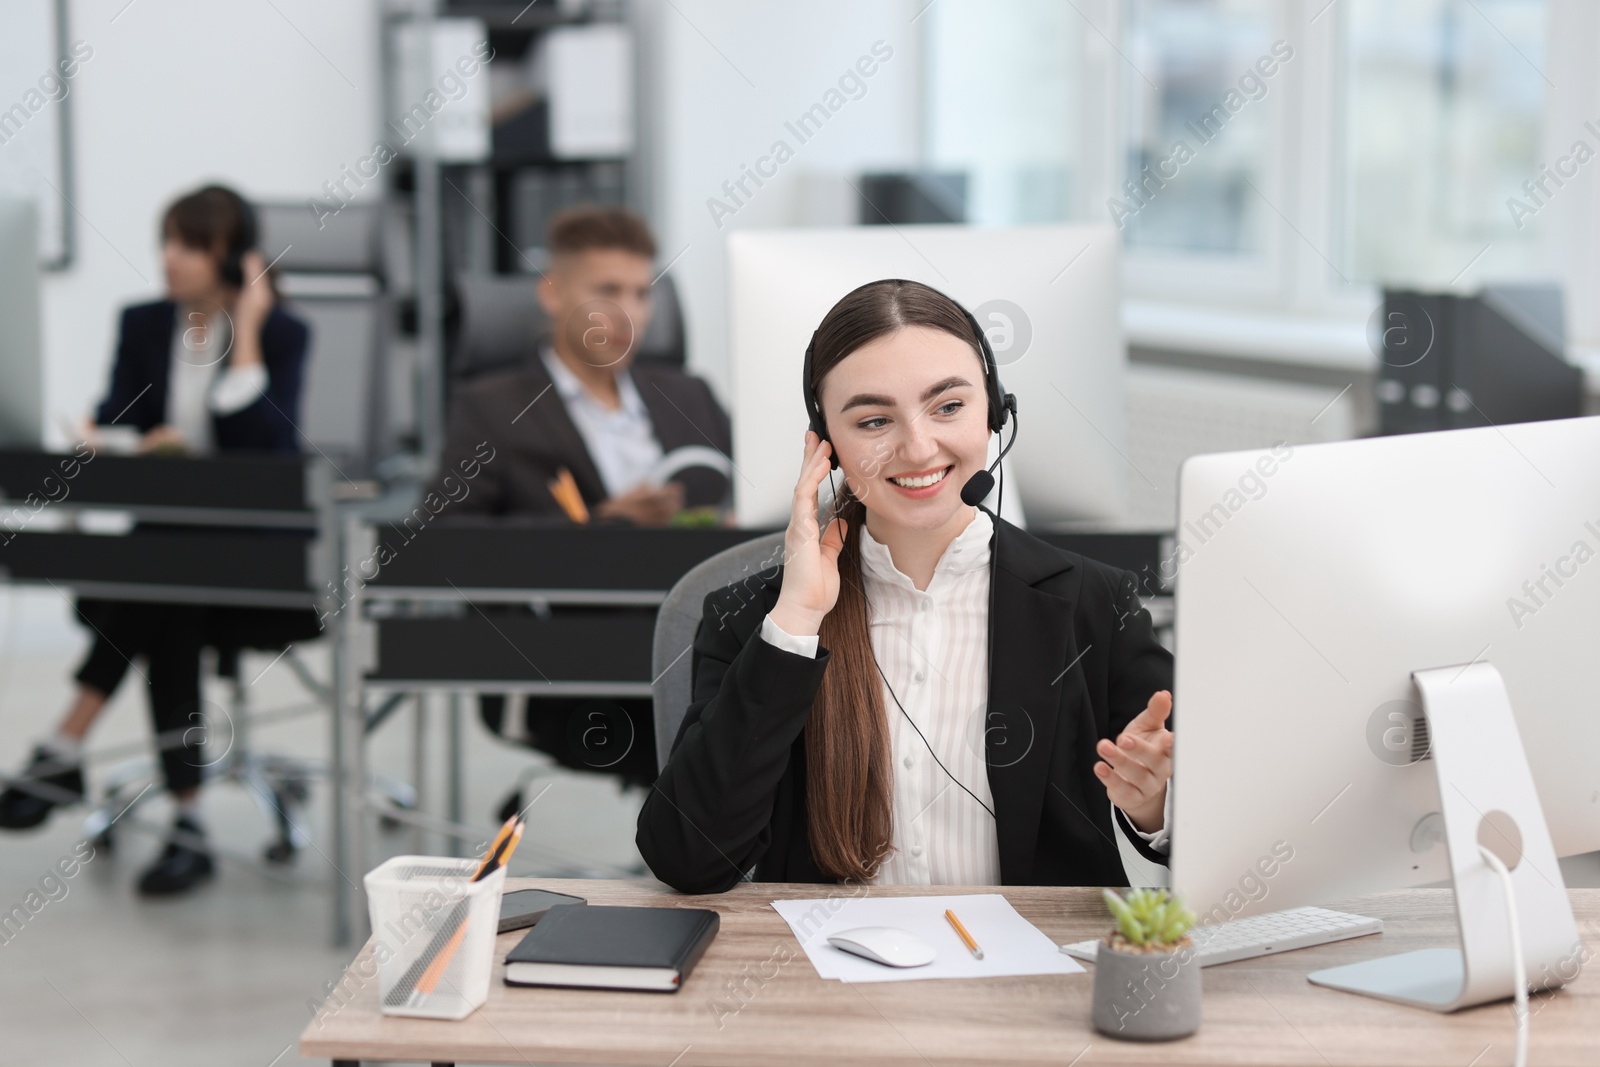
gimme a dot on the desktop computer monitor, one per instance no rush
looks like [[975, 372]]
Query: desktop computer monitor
[[1310, 765], [1048, 296], [21, 358]]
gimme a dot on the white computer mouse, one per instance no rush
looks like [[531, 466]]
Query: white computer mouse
[[884, 944]]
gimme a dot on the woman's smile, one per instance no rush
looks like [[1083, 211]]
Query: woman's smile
[[922, 484]]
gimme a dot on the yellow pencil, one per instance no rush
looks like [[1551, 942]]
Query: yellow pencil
[[499, 854], [977, 953], [579, 510], [501, 837], [565, 489], [558, 489], [511, 846], [430, 977]]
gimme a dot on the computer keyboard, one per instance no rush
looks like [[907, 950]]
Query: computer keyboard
[[1261, 935]]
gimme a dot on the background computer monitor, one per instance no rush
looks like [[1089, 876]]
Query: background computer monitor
[[1311, 583], [21, 360], [1047, 295]]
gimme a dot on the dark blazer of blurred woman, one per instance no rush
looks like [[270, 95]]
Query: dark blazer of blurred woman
[[265, 336]]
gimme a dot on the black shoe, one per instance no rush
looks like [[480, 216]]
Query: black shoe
[[46, 782], [182, 866]]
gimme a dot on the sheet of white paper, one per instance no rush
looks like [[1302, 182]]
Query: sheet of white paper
[[1010, 943]]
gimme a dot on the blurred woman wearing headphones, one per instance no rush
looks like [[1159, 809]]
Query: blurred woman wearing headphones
[[215, 366]]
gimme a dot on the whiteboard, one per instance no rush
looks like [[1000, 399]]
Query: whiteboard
[[34, 122]]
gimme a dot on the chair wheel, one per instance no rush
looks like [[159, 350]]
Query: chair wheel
[[280, 852], [104, 841], [388, 823]]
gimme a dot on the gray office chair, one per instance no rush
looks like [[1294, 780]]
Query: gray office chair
[[334, 275], [498, 320], [665, 339], [679, 618]]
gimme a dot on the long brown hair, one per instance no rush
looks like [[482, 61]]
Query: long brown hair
[[848, 775]]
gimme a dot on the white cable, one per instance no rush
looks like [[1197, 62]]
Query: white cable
[[1518, 968]]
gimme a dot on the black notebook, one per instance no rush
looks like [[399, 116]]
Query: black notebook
[[612, 948]]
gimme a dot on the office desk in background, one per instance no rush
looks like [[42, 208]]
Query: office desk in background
[[1256, 1011], [245, 530], [517, 606], [421, 633], [422, 608]]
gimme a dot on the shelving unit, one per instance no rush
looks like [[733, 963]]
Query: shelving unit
[[485, 217]]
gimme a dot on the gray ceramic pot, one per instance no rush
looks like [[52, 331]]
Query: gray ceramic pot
[[1142, 997]]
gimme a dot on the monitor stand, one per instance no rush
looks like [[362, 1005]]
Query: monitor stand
[[1486, 796]]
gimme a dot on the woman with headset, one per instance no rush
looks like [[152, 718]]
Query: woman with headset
[[922, 693], [215, 366]]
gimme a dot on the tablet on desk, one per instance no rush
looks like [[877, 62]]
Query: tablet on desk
[[524, 907]]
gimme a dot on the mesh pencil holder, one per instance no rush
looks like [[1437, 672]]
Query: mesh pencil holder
[[433, 932]]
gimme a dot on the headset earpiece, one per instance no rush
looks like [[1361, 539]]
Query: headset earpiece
[[231, 270], [1000, 402], [819, 425]]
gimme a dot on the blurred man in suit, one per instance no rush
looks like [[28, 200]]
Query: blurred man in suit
[[582, 402]]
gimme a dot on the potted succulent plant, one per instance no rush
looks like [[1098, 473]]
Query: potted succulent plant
[[1147, 973]]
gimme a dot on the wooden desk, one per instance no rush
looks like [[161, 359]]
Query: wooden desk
[[1256, 1011]]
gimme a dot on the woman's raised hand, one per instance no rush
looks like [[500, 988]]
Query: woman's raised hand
[[1137, 768], [810, 556], [254, 302]]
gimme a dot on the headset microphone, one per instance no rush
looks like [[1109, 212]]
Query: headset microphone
[[981, 484]]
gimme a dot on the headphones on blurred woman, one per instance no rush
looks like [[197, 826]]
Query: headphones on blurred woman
[[231, 270]]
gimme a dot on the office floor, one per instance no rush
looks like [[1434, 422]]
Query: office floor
[[227, 974]]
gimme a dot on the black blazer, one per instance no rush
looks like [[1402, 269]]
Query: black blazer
[[532, 444], [1075, 658], [138, 395]]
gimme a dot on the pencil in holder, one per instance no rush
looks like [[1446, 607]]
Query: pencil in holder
[[433, 932]]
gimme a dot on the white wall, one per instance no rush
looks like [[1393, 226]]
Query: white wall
[[176, 95], [719, 80], [270, 98]]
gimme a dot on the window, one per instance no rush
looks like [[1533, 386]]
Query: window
[[1198, 131], [1286, 156], [1442, 106], [1002, 96]]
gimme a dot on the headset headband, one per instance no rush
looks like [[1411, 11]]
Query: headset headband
[[999, 401]]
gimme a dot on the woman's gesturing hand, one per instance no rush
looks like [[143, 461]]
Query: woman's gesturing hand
[[810, 556], [1135, 769]]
